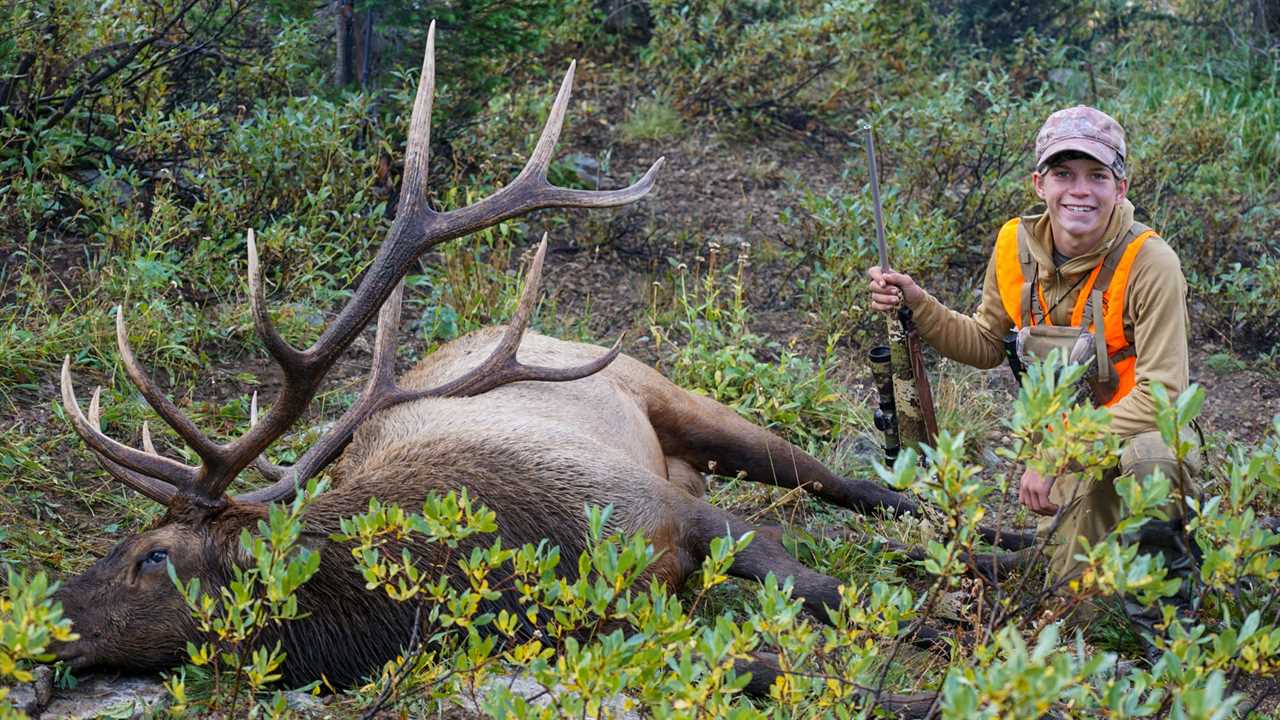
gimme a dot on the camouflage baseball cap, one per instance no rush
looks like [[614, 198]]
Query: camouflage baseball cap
[[1083, 129]]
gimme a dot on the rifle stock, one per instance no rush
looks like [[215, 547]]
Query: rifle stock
[[922, 402]]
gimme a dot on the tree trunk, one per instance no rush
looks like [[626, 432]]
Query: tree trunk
[[362, 29], [1266, 19], [628, 18], [344, 71]]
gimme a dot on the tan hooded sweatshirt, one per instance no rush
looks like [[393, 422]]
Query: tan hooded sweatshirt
[[1155, 316]]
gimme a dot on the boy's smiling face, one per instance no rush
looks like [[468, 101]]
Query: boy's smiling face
[[1081, 194]]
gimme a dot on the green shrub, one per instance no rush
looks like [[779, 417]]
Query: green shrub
[[1205, 153], [72, 78], [29, 622], [478, 46], [712, 351], [652, 119], [835, 244], [784, 60], [260, 594]]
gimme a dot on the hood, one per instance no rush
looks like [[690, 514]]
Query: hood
[[1037, 232]]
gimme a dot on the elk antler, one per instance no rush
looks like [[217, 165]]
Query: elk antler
[[416, 229], [382, 392]]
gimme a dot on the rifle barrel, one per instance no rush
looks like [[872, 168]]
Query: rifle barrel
[[875, 198]]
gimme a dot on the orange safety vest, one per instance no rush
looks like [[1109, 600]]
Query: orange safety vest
[[1105, 285]]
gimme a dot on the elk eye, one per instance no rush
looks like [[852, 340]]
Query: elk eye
[[155, 557]]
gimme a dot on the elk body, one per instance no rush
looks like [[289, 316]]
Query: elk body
[[533, 452], [534, 440]]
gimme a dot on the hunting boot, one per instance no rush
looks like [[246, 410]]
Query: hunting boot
[[1169, 539], [1142, 456]]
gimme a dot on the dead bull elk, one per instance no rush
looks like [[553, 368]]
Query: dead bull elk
[[467, 416]]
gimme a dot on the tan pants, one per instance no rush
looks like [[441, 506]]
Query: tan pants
[[1091, 509]]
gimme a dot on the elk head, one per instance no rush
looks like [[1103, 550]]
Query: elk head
[[125, 607]]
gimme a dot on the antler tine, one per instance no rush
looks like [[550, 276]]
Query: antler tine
[[158, 490], [167, 411], [268, 469], [380, 386], [528, 300], [502, 367], [153, 466], [417, 154], [260, 463], [384, 340], [530, 190], [535, 169], [505, 370], [552, 196], [540, 159], [147, 444], [151, 488], [284, 353]]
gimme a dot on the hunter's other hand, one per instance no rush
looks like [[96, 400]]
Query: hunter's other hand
[[888, 289], [1033, 492]]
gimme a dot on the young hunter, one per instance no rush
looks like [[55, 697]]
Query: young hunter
[[1086, 278]]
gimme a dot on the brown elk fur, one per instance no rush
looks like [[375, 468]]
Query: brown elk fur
[[535, 453]]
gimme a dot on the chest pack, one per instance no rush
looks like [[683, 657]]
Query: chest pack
[[1096, 336]]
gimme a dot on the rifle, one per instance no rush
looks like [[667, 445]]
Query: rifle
[[906, 414]]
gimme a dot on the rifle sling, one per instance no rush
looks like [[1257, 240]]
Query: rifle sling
[[924, 393]]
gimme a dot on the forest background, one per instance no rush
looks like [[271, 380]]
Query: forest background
[[142, 138]]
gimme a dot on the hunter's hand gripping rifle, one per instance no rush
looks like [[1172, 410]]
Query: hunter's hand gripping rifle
[[905, 415]]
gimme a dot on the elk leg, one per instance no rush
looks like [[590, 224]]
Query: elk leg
[[766, 555], [764, 670], [710, 436]]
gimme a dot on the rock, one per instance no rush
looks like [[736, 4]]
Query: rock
[[304, 702], [989, 458], [42, 681], [954, 606], [536, 694], [587, 169], [106, 697], [31, 697], [23, 699]]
